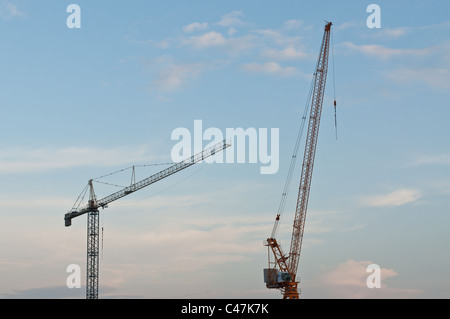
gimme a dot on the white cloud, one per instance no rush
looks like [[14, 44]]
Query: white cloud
[[234, 46], [438, 77], [393, 32], [353, 273], [9, 10], [274, 46], [35, 203], [349, 280], [289, 53], [162, 44], [196, 26], [346, 25], [172, 77], [214, 38], [442, 159], [383, 52], [210, 39], [293, 24], [425, 66], [183, 239], [397, 198], [231, 31], [278, 38], [23, 160], [272, 68], [401, 31], [149, 246], [383, 32], [231, 19]]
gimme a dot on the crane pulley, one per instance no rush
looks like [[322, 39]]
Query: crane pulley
[[282, 273]]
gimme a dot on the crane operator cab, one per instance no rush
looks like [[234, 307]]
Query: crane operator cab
[[273, 277]]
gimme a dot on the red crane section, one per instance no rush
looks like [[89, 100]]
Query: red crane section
[[284, 277]]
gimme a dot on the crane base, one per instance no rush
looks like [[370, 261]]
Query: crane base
[[291, 291]]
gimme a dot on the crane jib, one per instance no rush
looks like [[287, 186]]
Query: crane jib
[[94, 205], [310, 151]]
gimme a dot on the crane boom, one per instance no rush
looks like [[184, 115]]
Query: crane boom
[[310, 151], [285, 278], [95, 204], [92, 211]]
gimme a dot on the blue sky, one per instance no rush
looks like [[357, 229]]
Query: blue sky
[[81, 103]]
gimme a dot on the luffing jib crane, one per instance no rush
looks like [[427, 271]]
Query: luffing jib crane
[[282, 272], [93, 205]]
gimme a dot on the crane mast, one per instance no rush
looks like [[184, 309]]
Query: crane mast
[[93, 205], [284, 278]]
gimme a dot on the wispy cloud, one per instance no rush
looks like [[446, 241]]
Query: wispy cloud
[[231, 46], [349, 280], [271, 68], [441, 159], [277, 37], [293, 24], [24, 160], [396, 32], [174, 238], [184, 243], [393, 32], [288, 53], [438, 77], [172, 77], [353, 273], [195, 26], [427, 66], [210, 39], [347, 25], [232, 19], [382, 52], [396, 198], [9, 10], [275, 44], [34, 203], [61, 292]]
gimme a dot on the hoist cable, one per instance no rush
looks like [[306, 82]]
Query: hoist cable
[[293, 163], [334, 84], [80, 198]]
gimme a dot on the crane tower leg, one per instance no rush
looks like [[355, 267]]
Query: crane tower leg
[[92, 268]]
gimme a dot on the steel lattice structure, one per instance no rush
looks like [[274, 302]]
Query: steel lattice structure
[[92, 267], [288, 264], [92, 211]]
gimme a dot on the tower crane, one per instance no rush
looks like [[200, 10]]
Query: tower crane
[[282, 272], [93, 205]]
